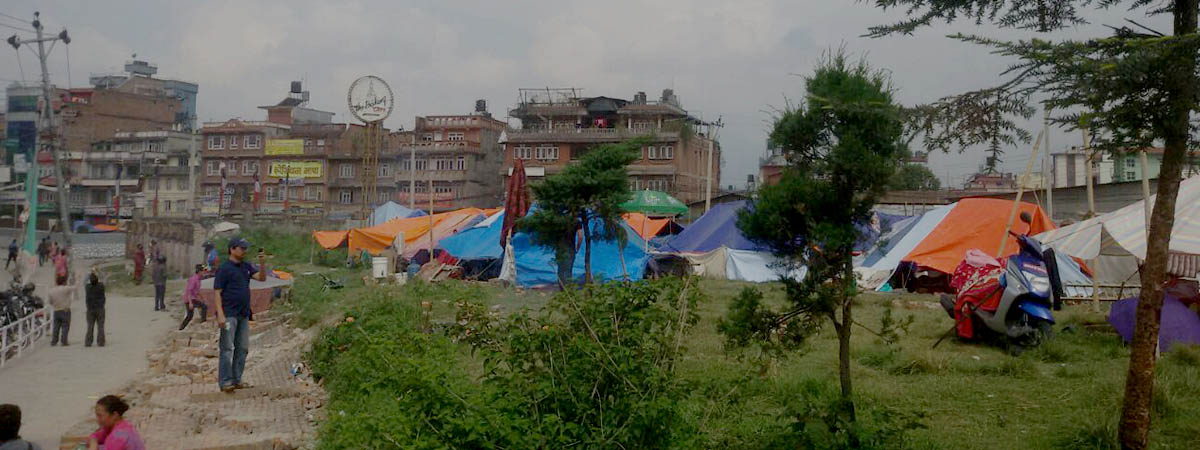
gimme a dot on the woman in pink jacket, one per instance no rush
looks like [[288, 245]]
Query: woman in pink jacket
[[115, 432]]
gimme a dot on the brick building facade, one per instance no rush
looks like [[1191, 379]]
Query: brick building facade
[[457, 162], [558, 126]]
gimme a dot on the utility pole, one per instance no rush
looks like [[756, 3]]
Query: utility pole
[[46, 128], [712, 139], [1049, 180]]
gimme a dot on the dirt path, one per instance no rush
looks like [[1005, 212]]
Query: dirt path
[[57, 386]]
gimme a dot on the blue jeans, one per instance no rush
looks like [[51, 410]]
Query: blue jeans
[[235, 345]]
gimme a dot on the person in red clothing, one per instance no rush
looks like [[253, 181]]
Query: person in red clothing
[[60, 266], [139, 264], [115, 432]]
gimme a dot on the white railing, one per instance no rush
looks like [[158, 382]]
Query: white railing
[[19, 337]]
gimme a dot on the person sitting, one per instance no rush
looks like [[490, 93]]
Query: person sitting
[[115, 432], [10, 429]]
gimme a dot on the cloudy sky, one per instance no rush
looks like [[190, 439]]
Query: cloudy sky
[[736, 60]]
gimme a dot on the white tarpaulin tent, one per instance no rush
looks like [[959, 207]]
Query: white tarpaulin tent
[[1117, 240]]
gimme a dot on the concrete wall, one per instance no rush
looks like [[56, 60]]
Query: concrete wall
[[179, 240], [1070, 204]]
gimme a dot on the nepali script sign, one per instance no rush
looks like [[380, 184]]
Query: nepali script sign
[[277, 147], [295, 169]]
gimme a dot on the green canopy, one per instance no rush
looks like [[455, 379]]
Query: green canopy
[[656, 203]]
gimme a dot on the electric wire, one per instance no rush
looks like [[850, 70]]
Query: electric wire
[[2, 24]]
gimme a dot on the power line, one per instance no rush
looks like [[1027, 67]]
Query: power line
[[26, 30], [18, 19]]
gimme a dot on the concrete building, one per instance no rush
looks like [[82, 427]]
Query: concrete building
[[236, 147], [771, 165], [330, 182], [991, 182], [1069, 168], [457, 162], [559, 126], [1128, 166], [154, 169]]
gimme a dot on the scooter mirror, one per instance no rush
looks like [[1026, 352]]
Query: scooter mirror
[[1025, 217]]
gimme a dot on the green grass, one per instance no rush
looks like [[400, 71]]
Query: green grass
[[1065, 394]]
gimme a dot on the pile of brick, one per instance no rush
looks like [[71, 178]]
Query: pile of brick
[[98, 250], [177, 405]]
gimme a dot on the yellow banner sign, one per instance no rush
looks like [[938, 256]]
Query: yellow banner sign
[[295, 169], [285, 147]]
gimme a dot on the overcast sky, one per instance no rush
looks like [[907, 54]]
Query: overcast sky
[[736, 60]]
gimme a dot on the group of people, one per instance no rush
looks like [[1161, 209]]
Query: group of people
[[47, 250], [114, 432], [233, 315]]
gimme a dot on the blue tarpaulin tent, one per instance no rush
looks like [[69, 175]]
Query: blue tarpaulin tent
[[716, 228], [535, 264], [392, 210], [479, 242]]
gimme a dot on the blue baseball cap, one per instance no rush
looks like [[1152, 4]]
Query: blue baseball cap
[[239, 242]]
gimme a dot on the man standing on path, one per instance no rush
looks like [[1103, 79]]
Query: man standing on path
[[158, 274], [61, 297], [12, 254], [43, 250], [95, 299], [232, 287]]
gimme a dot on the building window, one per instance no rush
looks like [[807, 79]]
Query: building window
[[346, 197], [157, 146], [427, 137], [460, 163], [154, 184], [385, 170], [214, 168], [443, 164], [657, 185], [210, 191], [313, 193], [216, 142], [406, 164], [320, 142], [1130, 175], [437, 135], [1130, 163], [651, 152], [253, 141], [443, 190], [273, 194], [347, 171], [249, 167], [384, 197], [233, 142], [167, 207], [523, 152], [308, 142], [547, 152], [635, 184], [456, 136], [666, 152]]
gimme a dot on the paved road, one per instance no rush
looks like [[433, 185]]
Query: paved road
[[7, 234], [57, 386]]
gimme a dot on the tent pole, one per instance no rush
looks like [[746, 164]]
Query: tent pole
[[1020, 190]]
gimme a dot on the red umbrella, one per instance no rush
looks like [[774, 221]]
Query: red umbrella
[[516, 200]]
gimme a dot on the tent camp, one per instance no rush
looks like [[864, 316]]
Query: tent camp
[[648, 228], [392, 210], [1117, 240], [416, 231], [716, 248], [926, 248]]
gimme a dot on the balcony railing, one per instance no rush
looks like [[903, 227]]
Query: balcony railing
[[419, 197], [586, 134]]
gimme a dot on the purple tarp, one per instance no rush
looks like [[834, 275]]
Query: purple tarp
[[1180, 325]]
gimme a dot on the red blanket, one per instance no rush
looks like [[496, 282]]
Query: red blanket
[[977, 282]]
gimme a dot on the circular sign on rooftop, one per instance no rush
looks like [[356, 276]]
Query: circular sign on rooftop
[[370, 99]]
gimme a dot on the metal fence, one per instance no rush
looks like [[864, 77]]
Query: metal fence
[[20, 336]]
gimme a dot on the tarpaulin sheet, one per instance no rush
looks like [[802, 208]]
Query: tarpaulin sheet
[[330, 240], [645, 227], [759, 267], [535, 264], [479, 242], [716, 228], [377, 238], [710, 264], [392, 210], [1125, 229], [974, 223], [1180, 325]]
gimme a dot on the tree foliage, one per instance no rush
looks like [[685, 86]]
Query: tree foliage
[[583, 197], [913, 177], [1130, 88], [843, 144]]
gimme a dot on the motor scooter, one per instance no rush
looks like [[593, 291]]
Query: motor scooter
[[1031, 288]]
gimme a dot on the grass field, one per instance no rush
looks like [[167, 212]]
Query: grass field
[[1065, 394]]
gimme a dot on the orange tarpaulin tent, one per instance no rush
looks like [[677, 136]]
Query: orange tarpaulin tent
[[645, 227], [975, 223], [416, 231], [330, 240]]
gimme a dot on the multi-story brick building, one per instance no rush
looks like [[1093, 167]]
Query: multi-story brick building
[[331, 179], [154, 168], [559, 125], [457, 161], [238, 148]]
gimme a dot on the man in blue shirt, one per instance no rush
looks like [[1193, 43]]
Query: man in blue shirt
[[232, 286]]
